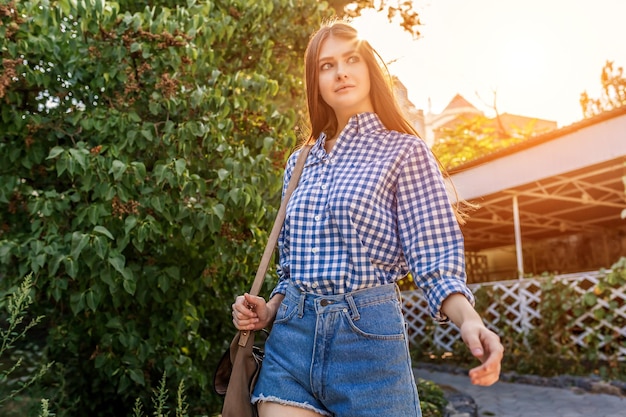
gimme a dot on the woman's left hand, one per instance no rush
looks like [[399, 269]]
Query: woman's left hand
[[484, 345]]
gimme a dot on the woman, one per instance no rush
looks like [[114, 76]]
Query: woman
[[370, 207]]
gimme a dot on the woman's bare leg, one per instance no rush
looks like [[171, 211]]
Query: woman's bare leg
[[271, 409]]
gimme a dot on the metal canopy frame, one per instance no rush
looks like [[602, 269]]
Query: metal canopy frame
[[568, 181], [587, 201]]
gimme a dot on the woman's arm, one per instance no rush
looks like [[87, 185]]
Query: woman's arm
[[482, 342]]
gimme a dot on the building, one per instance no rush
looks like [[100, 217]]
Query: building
[[551, 204], [431, 126]]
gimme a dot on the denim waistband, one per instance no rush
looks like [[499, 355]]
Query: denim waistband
[[340, 302]]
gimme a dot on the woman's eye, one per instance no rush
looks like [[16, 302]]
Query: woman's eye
[[353, 59], [325, 66]]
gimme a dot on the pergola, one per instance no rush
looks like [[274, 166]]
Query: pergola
[[568, 181]]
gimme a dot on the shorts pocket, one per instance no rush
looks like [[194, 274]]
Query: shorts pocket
[[287, 309], [381, 320]]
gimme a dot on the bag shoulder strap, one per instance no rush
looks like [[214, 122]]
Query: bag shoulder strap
[[278, 222], [273, 238]]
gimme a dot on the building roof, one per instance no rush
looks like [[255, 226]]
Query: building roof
[[458, 102], [565, 181], [541, 138]]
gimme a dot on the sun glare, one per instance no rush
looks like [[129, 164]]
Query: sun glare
[[536, 57]]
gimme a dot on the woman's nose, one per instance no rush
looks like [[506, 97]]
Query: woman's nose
[[341, 73]]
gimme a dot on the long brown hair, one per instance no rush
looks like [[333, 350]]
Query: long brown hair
[[322, 117]]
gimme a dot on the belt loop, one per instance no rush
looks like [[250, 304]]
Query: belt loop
[[398, 292], [352, 304], [301, 305]]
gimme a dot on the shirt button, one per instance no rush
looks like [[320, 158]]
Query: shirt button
[[314, 250], [314, 285], [323, 186], [317, 218]]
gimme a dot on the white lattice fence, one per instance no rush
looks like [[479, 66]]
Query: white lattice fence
[[515, 305]]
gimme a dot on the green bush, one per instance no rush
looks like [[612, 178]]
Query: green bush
[[432, 398], [547, 350], [17, 372], [140, 145]]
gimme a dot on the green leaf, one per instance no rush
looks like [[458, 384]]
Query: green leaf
[[100, 361], [173, 271], [92, 297], [79, 156], [160, 171], [180, 166], [598, 313], [118, 261], [71, 267], [118, 168], [100, 246], [53, 266], [219, 210], [164, 282], [187, 232], [156, 203], [104, 231], [140, 170], [129, 224], [54, 152], [65, 7], [124, 384], [222, 174], [137, 376], [79, 241], [5, 250], [235, 195], [590, 299], [77, 303], [61, 166], [135, 46], [130, 286]]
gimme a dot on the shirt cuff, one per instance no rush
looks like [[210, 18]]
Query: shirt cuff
[[436, 297], [281, 288]]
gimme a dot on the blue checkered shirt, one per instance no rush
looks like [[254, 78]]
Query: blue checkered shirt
[[369, 212]]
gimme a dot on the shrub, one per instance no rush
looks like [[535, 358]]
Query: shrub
[[141, 145], [16, 377], [561, 308]]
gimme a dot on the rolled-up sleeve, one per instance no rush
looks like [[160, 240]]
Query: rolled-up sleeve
[[429, 233]]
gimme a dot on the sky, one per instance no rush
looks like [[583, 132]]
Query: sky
[[533, 58]]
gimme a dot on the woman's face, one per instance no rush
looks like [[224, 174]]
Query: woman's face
[[344, 79]]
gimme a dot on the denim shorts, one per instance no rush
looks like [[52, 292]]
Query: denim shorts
[[340, 355]]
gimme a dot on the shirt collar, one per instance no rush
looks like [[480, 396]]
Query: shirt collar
[[365, 122], [359, 124]]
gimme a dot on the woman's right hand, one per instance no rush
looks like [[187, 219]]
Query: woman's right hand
[[250, 312]]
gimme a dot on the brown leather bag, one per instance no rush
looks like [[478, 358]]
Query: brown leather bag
[[239, 367]]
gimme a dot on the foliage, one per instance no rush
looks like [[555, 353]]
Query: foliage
[[472, 138], [547, 349], [17, 378], [613, 94], [432, 399], [159, 401], [17, 304], [400, 10], [141, 151]]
